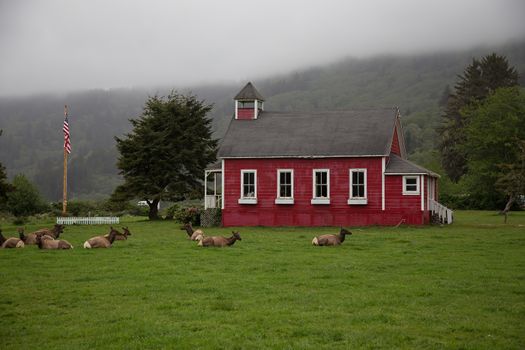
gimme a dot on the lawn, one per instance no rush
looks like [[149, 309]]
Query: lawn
[[460, 286]]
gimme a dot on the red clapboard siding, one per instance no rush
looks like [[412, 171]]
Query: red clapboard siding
[[395, 148], [408, 205], [245, 113], [302, 212]]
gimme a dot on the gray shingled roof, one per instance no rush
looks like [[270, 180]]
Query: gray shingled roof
[[249, 92], [397, 165], [313, 134]]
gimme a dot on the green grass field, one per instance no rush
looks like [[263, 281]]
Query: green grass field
[[453, 287]]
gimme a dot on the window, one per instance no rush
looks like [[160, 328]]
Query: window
[[246, 104], [410, 185], [358, 187], [248, 187], [321, 186], [284, 186]]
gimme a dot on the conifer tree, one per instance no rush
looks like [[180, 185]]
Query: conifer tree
[[479, 80], [164, 156], [5, 187]]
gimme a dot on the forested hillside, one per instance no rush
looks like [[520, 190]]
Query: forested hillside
[[32, 139]]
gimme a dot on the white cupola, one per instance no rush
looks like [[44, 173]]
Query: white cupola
[[248, 103]]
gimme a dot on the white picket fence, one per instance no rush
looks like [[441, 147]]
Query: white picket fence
[[446, 216], [93, 220]]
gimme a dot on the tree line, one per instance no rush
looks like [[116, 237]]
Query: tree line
[[482, 137]]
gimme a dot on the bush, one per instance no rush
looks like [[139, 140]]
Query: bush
[[25, 200], [184, 214]]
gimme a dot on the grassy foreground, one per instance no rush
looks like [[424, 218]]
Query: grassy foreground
[[453, 287]]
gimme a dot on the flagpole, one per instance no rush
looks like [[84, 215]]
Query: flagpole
[[64, 192]]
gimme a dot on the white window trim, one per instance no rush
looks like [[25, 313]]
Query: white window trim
[[383, 166], [284, 200], [422, 192], [320, 200], [357, 200], [418, 187], [248, 200]]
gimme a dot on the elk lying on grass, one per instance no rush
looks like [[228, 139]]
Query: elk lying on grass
[[219, 241], [54, 233], [331, 239], [47, 242], [31, 238], [120, 236], [193, 235], [11, 242], [101, 241]]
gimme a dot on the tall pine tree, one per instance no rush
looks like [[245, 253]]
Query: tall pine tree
[[479, 80], [5, 187], [165, 155]]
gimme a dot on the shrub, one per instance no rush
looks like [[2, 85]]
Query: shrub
[[25, 199], [184, 214]]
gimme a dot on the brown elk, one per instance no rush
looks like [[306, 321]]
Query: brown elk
[[193, 235], [54, 233], [328, 240], [101, 241], [120, 236], [47, 242], [219, 241], [11, 242], [31, 238]]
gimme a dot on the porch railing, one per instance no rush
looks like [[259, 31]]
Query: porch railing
[[444, 214], [213, 201]]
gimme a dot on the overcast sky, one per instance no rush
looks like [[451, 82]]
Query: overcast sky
[[60, 45]]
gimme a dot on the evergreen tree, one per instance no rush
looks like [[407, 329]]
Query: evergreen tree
[[480, 80], [165, 155], [5, 187]]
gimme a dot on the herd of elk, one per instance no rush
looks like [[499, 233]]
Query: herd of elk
[[48, 238]]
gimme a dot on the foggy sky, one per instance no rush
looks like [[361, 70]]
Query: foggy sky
[[60, 45]]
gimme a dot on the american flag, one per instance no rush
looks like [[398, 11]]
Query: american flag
[[65, 128]]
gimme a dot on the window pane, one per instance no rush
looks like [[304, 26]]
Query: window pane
[[321, 191], [246, 104], [285, 191], [358, 177], [411, 181], [286, 178]]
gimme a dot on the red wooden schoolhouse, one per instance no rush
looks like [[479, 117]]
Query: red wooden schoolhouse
[[336, 168]]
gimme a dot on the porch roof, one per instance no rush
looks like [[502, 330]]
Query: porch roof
[[399, 166]]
